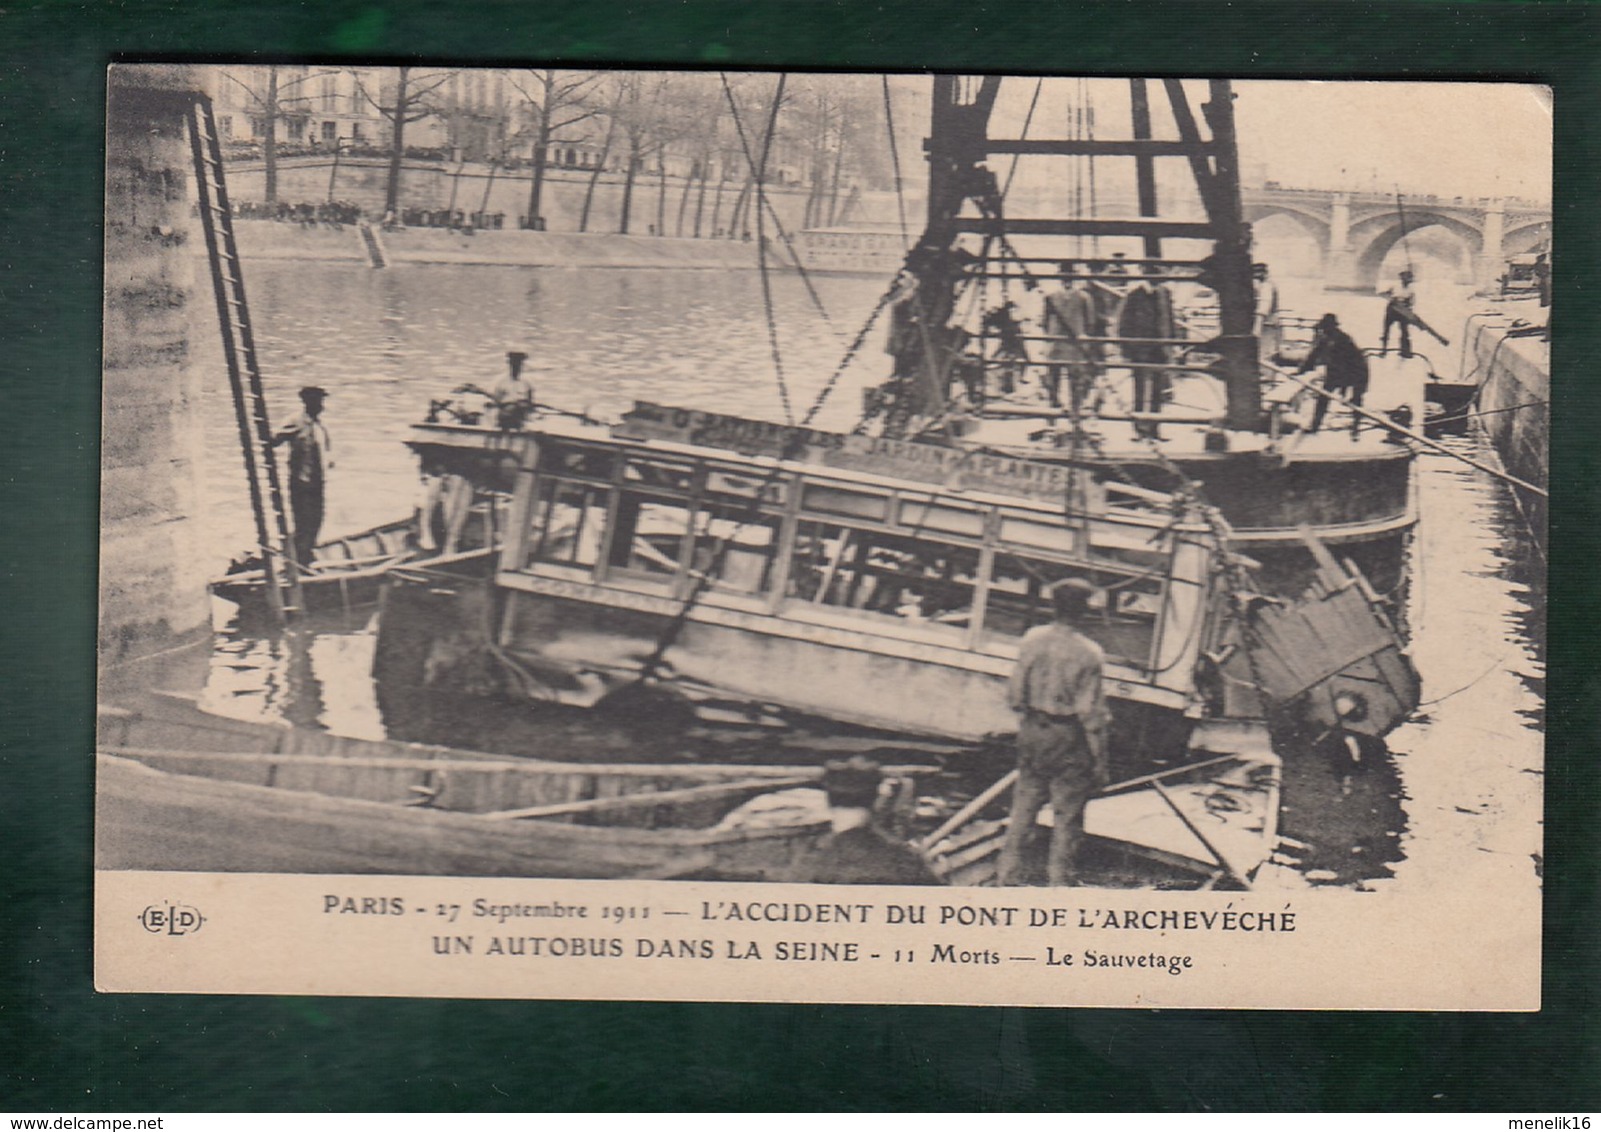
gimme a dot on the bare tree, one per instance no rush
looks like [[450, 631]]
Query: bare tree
[[411, 102], [752, 110], [555, 100], [605, 155], [269, 105], [649, 117], [635, 116], [701, 114]]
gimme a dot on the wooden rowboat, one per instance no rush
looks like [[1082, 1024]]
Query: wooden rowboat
[[348, 571], [287, 800]]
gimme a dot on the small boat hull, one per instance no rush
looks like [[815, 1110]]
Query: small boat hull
[[155, 819], [348, 572]]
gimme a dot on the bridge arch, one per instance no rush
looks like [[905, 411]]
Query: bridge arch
[[1532, 237], [1373, 237], [1315, 223], [1311, 227]]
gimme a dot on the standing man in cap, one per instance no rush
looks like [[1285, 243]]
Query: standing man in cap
[[1058, 689], [857, 851], [1147, 312], [513, 398], [1072, 314], [1401, 298], [1267, 327], [310, 459]]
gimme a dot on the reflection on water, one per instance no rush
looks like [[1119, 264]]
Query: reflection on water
[[1461, 787]]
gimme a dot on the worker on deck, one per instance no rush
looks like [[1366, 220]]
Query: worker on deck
[[1058, 688], [1345, 368], [1147, 312], [1267, 326], [1401, 298], [310, 459], [857, 851], [513, 398], [1070, 315], [1004, 327]]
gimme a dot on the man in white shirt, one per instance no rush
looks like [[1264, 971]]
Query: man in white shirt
[[1398, 312], [1267, 328], [310, 458], [1058, 688]]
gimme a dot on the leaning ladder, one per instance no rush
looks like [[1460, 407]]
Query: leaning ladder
[[282, 575]]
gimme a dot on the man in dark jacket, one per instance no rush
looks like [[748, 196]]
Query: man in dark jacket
[[858, 851], [1147, 312], [1345, 367]]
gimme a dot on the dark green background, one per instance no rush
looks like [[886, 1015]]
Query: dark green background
[[63, 1048]]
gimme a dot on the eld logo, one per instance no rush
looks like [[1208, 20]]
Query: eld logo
[[171, 919]]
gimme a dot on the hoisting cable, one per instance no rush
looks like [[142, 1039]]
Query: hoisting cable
[[1011, 170], [849, 356], [1089, 135], [895, 161], [758, 174], [1384, 422], [1474, 414], [764, 202], [1406, 246]]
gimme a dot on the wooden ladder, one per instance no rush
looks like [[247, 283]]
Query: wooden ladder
[[244, 370]]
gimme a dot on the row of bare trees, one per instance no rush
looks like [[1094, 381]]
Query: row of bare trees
[[705, 129]]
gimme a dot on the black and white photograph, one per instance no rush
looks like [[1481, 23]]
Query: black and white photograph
[[913, 537]]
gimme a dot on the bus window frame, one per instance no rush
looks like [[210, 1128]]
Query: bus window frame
[[1147, 665], [534, 540], [788, 511]]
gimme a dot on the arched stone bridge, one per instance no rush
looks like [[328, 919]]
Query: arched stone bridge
[[1355, 230]]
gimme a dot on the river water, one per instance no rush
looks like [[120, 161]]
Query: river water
[[1461, 785]]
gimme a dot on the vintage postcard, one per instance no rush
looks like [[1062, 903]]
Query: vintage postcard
[[823, 538]]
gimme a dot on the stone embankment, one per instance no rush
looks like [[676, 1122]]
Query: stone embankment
[[267, 239]]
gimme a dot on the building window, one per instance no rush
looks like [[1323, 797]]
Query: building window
[[225, 124], [330, 132]]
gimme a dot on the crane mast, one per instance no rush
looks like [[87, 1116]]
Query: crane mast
[[969, 232]]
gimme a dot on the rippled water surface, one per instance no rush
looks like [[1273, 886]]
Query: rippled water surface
[[1462, 789]]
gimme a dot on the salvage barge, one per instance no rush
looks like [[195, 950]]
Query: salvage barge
[[1155, 397]]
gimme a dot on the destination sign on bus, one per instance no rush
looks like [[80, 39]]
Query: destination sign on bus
[[952, 468]]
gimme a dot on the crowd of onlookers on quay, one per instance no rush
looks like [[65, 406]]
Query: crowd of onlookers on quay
[[338, 213]]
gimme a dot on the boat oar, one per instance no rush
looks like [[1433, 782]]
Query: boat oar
[[1412, 318], [1147, 779]]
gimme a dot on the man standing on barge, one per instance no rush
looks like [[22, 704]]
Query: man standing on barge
[[1058, 689], [513, 398], [310, 458]]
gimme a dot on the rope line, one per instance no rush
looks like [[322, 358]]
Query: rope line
[[895, 160], [758, 174]]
